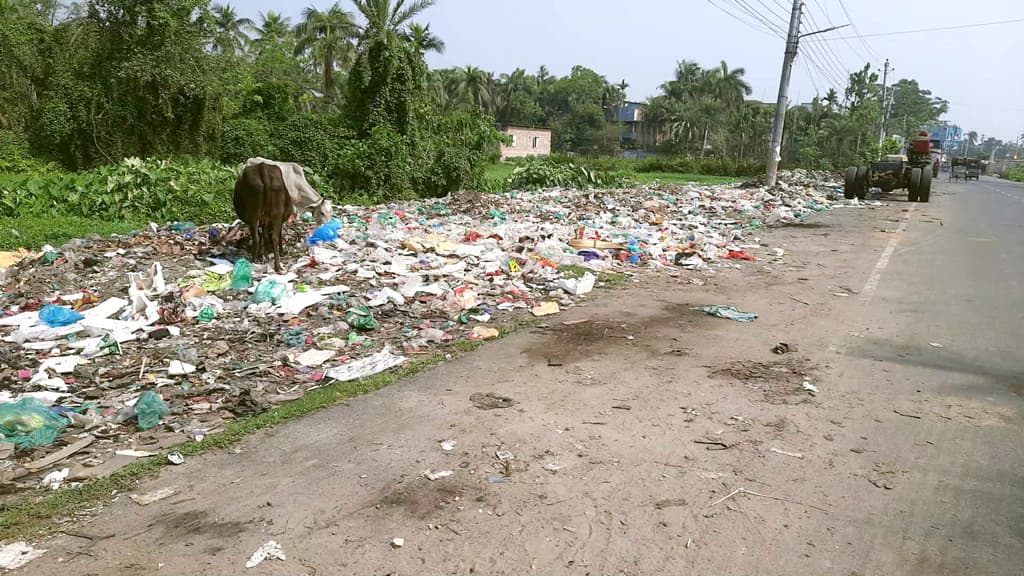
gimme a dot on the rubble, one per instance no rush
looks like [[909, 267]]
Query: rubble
[[156, 338]]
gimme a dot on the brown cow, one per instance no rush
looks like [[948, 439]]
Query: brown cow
[[263, 203]]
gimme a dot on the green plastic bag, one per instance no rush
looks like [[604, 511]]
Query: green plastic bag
[[241, 276], [150, 409], [361, 319], [269, 291], [29, 423], [207, 314]]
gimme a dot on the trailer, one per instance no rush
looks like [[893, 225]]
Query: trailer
[[967, 169], [913, 173]]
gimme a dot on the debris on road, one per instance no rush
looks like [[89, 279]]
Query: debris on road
[[783, 348], [491, 401], [155, 338], [149, 498], [270, 550], [727, 312], [432, 476], [17, 554], [785, 453], [397, 542]]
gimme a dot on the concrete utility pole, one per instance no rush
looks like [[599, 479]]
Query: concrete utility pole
[[885, 111], [782, 104]]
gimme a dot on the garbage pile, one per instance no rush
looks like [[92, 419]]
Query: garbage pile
[[120, 348]]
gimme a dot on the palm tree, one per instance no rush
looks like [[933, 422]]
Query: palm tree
[[472, 85], [389, 17], [685, 83], [230, 29], [424, 40], [832, 99], [273, 27], [327, 36], [728, 86]]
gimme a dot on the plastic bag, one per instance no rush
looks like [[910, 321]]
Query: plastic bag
[[241, 276], [56, 316], [150, 409], [324, 233], [361, 319], [269, 291], [29, 423]]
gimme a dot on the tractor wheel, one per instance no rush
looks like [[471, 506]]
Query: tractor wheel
[[925, 190], [915, 185], [862, 183], [850, 184]]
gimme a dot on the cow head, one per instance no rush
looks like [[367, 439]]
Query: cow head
[[323, 211]]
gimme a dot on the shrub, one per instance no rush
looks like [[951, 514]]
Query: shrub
[[537, 173]]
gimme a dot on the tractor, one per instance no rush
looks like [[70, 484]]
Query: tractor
[[913, 172]]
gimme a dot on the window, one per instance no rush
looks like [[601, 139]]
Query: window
[[513, 140], [536, 142]]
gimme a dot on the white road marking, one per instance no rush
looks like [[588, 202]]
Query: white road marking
[[868, 292]]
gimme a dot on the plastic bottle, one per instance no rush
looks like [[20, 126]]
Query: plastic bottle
[[241, 276]]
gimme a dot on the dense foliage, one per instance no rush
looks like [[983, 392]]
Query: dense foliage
[[538, 173]]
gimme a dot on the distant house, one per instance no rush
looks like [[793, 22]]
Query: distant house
[[631, 117], [526, 141]]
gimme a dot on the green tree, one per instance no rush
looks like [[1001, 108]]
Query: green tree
[[472, 86], [327, 37], [424, 40], [914, 107], [230, 36], [274, 29]]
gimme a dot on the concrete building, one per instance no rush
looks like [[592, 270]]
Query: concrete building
[[526, 141]]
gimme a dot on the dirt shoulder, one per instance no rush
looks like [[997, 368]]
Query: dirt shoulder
[[632, 424]]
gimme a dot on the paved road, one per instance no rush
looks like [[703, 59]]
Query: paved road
[[908, 460]]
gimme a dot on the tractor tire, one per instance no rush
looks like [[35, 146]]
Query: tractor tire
[[925, 190], [915, 184], [862, 183], [850, 184]]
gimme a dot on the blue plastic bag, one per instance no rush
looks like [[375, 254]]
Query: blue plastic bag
[[324, 233], [56, 316]]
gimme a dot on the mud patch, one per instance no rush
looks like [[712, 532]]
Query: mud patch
[[780, 381], [568, 344], [183, 526], [422, 499]]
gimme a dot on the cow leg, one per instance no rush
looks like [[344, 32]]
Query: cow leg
[[257, 241], [276, 227]]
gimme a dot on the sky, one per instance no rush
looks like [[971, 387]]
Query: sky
[[976, 69]]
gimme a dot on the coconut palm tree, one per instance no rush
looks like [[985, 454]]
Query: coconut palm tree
[[471, 85], [327, 37], [273, 27], [389, 17], [424, 40], [230, 36], [832, 99], [728, 86]]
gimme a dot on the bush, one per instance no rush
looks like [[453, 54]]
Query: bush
[[538, 173], [1015, 174], [133, 190], [244, 138]]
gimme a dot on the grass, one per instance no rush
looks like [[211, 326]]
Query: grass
[[31, 516], [606, 279], [500, 171], [34, 231], [676, 178]]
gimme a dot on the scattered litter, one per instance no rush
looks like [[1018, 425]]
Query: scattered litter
[[483, 333], [176, 458], [935, 345], [179, 368], [54, 479], [783, 348], [368, 366], [810, 387], [429, 475], [270, 550], [670, 503], [135, 453], [314, 358], [727, 312], [60, 455], [397, 542], [448, 445], [785, 453], [752, 493], [552, 467], [545, 309], [149, 498], [578, 286], [17, 554]]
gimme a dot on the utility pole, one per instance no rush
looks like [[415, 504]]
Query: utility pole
[[782, 104], [884, 109]]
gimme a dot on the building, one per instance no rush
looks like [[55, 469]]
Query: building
[[526, 141], [630, 116]]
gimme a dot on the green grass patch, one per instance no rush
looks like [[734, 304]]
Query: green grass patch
[[607, 279], [675, 178], [30, 516], [33, 232], [499, 171]]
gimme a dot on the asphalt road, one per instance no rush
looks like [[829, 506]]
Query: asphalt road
[[907, 318]]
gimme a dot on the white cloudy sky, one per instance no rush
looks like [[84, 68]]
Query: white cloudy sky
[[976, 69]]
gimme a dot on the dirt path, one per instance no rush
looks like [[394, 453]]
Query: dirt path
[[596, 466]]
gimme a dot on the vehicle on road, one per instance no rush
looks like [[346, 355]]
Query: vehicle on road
[[966, 169], [913, 173]]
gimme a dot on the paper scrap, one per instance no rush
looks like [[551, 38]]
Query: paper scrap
[[269, 550], [368, 366], [313, 358], [429, 475], [150, 497], [17, 554], [545, 309]]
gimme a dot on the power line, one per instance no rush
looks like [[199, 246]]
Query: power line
[[750, 25], [823, 6], [835, 63], [856, 31], [753, 13], [921, 30]]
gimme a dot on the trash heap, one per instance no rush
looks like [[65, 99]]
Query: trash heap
[[120, 348]]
